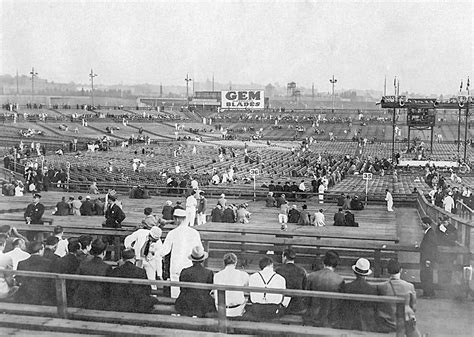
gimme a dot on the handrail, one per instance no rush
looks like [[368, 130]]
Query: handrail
[[61, 293]]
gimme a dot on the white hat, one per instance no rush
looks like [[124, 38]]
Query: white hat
[[155, 232], [198, 254], [88, 197], [222, 195], [178, 212], [362, 267]]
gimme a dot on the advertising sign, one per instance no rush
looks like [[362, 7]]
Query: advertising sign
[[242, 99]]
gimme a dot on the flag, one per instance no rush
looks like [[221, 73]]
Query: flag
[[467, 84], [460, 87]]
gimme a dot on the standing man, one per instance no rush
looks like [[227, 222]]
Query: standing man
[[34, 211], [180, 242], [114, 214], [428, 257], [295, 277], [196, 302], [201, 210], [389, 199], [283, 215], [448, 202], [324, 311], [191, 204]]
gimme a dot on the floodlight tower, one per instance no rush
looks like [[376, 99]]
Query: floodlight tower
[[91, 76], [333, 81], [187, 79], [33, 75]]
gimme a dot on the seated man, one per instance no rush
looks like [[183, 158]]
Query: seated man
[[339, 218], [350, 220], [357, 204], [270, 200], [130, 297], [293, 215], [217, 214], [265, 306], [304, 218], [196, 302], [235, 300]]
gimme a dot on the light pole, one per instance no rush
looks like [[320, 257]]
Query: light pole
[[33, 75], [187, 79], [333, 81], [92, 75]]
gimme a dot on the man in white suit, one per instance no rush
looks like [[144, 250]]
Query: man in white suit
[[180, 242]]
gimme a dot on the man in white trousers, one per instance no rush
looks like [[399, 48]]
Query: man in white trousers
[[389, 199], [191, 205]]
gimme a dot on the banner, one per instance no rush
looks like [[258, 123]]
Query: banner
[[242, 99]]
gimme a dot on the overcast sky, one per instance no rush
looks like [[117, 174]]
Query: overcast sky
[[427, 44]]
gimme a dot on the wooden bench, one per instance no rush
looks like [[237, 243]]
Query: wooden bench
[[220, 324]]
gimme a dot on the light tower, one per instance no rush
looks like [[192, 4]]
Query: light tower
[[33, 75], [91, 76], [333, 81], [187, 79]]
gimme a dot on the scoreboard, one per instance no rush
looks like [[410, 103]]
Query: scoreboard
[[421, 117]]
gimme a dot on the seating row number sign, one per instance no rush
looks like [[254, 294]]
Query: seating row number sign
[[367, 176]]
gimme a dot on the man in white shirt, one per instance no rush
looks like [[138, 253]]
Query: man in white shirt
[[448, 202], [18, 253], [319, 219], [180, 242], [266, 306], [61, 249], [191, 204], [389, 199], [235, 300]]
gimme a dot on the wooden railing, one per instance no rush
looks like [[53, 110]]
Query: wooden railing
[[62, 305]]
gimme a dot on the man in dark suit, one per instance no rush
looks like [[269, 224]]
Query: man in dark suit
[[295, 277], [196, 302], [321, 311], [114, 214], [217, 214], [50, 245], [130, 297], [68, 264], [35, 290], [62, 208], [87, 207], [93, 295], [349, 220], [34, 211], [358, 315], [428, 257], [339, 218]]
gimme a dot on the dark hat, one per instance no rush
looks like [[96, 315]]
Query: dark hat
[[128, 254], [36, 195], [51, 241], [198, 254], [112, 198], [148, 210], [427, 220], [35, 247]]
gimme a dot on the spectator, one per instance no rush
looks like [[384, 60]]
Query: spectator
[[295, 278], [280, 200], [191, 205], [83, 254], [228, 215], [319, 219], [265, 306], [180, 242], [93, 295], [196, 302], [324, 311], [447, 235], [217, 214], [147, 246], [350, 220], [150, 220], [68, 264], [168, 210], [7, 288], [201, 209], [50, 246], [35, 290], [359, 315], [386, 313], [347, 203], [448, 202], [304, 218], [389, 199], [339, 218], [270, 200], [293, 215], [283, 214], [76, 206], [62, 249], [179, 205], [34, 212], [235, 300], [87, 207], [130, 297], [341, 200], [222, 201], [243, 215], [18, 253], [356, 204], [93, 189], [62, 208], [114, 214]]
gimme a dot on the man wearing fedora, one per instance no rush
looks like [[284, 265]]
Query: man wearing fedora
[[180, 242], [428, 257], [196, 302], [147, 246], [130, 297], [358, 315]]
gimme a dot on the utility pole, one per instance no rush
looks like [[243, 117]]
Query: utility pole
[[187, 79], [385, 86], [17, 85], [92, 75], [33, 75], [212, 81], [161, 90], [312, 91], [333, 81]]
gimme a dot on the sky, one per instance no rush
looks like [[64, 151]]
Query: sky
[[428, 45]]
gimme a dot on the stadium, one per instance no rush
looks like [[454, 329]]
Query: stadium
[[234, 209]]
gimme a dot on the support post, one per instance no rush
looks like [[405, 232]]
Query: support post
[[206, 248], [61, 297], [400, 313], [393, 136], [431, 140], [465, 128], [459, 132], [221, 311], [377, 263]]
